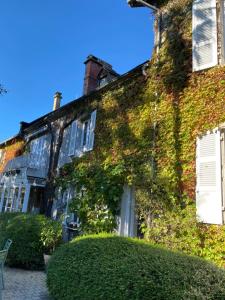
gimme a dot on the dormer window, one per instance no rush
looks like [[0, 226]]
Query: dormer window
[[103, 81]]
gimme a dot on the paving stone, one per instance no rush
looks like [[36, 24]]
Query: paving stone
[[24, 285]]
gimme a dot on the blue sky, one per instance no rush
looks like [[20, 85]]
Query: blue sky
[[45, 42]]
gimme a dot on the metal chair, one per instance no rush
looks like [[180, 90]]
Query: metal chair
[[7, 245], [3, 256]]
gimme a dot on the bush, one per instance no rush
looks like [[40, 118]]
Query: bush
[[179, 230], [110, 267], [32, 235]]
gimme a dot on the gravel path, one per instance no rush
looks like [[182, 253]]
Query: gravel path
[[24, 285]]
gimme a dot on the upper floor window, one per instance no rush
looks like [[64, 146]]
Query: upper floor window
[[82, 135], [40, 149]]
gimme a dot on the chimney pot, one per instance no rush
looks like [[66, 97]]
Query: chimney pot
[[57, 100]]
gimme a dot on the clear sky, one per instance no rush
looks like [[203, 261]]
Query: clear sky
[[45, 42]]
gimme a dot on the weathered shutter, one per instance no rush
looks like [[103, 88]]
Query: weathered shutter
[[127, 224], [91, 134], [73, 134], [208, 168], [64, 150], [204, 34]]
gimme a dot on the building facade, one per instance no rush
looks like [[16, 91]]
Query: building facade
[[32, 160], [162, 122]]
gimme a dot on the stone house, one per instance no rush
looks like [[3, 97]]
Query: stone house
[[34, 157], [164, 119]]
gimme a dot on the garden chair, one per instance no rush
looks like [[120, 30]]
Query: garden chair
[[7, 245], [3, 256]]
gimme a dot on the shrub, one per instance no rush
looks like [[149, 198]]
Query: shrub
[[179, 229], [51, 233], [32, 235], [110, 267]]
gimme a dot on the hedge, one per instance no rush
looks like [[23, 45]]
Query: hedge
[[32, 236], [111, 267]]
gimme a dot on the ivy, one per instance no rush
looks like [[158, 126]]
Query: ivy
[[98, 192], [145, 136]]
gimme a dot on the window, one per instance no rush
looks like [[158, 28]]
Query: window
[[9, 201], [103, 81], [39, 149], [15, 198], [21, 199], [209, 167], [82, 136], [204, 34], [5, 199]]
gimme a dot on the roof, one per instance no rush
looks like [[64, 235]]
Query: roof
[[53, 115], [11, 139]]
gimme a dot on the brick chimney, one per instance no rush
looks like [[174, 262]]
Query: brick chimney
[[57, 100], [94, 67]]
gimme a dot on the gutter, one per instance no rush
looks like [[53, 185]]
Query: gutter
[[144, 3]]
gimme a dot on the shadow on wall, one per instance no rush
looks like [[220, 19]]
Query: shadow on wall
[[173, 69]]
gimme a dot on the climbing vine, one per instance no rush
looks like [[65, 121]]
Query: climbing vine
[[9, 151], [145, 137]]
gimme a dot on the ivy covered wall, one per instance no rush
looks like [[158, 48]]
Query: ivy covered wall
[[146, 137], [12, 149]]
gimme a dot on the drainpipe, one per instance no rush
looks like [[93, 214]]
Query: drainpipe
[[155, 9]]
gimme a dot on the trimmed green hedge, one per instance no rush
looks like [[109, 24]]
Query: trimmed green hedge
[[110, 267], [32, 236]]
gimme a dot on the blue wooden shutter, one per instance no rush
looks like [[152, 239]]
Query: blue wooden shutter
[[73, 134], [91, 134], [78, 142]]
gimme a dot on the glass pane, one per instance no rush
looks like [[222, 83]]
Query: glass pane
[[85, 133], [15, 197], [21, 199], [10, 200], [5, 199]]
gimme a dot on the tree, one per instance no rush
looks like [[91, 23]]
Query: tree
[[2, 90]]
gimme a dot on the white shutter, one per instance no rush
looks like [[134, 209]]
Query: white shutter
[[127, 222], [91, 133], [208, 189], [204, 34], [73, 134]]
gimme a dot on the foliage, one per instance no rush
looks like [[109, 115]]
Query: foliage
[[150, 127], [110, 267], [98, 192], [2, 90], [31, 235], [178, 229], [15, 148], [51, 233]]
